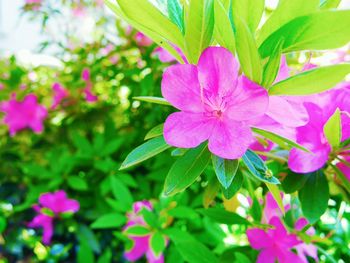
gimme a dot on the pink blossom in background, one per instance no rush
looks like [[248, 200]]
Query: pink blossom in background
[[140, 246], [60, 93], [107, 49], [275, 244], [57, 203], [24, 114], [2, 86], [216, 104], [89, 96], [304, 249], [30, 2], [142, 40]]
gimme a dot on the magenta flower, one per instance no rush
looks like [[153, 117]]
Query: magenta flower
[[60, 93], [89, 96], [303, 249], [216, 104], [165, 57], [140, 246], [275, 244], [142, 40], [51, 205], [24, 114]]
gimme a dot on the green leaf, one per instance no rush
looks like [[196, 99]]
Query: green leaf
[[157, 243], [156, 100], [311, 32], [121, 192], [158, 36], [222, 216], [281, 141], [106, 256], [247, 52], [77, 183], [293, 182], [150, 218], [272, 66], [183, 212], [257, 167], [144, 152], [112, 220], [276, 195], [328, 4], [82, 143], [190, 249], [199, 28], [223, 31], [285, 12], [314, 196], [137, 230], [250, 11], [234, 187], [333, 129], [3, 224], [210, 192], [186, 169], [111, 147], [225, 170], [241, 258], [176, 14], [155, 132], [85, 253], [311, 81], [345, 181]]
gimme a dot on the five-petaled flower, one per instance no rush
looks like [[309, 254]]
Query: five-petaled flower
[[216, 104], [51, 205]]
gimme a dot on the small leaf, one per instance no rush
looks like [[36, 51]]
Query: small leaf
[[121, 192], [155, 132], [234, 187], [247, 52], [210, 191], [311, 81], [257, 167], [314, 196], [225, 170], [328, 4], [112, 220], [137, 230], [106, 256], [77, 183], [272, 66], [276, 195], [281, 141], [293, 182], [186, 169], [156, 100], [158, 243], [176, 13], [222, 216], [333, 129], [85, 253], [3, 224], [145, 151], [250, 11]]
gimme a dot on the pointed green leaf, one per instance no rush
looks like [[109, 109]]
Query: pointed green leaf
[[311, 81], [199, 28], [145, 151], [210, 192], [137, 231], [155, 132], [250, 11], [225, 170], [234, 187], [328, 4], [272, 66], [333, 129], [221, 216], [186, 170], [176, 13], [156, 100], [157, 243], [276, 195], [112, 220], [257, 167], [314, 196]]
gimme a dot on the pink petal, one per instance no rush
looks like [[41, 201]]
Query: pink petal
[[344, 168], [303, 162], [218, 71], [258, 238], [345, 121], [283, 72], [187, 130], [289, 113], [304, 250], [152, 258], [249, 101], [180, 86], [267, 256], [46, 223], [287, 256], [230, 139], [139, 248]]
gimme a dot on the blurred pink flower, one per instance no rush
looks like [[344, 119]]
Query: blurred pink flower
[[25, 114], [56, 203], [141, 245], [304, 249], [143, 40], [60, 93], [165, 57], [89, 96], [216, 104], [31, 2], [2, 86], [275, 244]]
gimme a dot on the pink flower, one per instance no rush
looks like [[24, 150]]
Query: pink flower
[[89, 96], [56, 203], [275, 244], [25, 114], [60, 93], [141, 245], [31, 2], [143, 40], [216, 104], [320, 108], [2, 86], [303, 249]]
